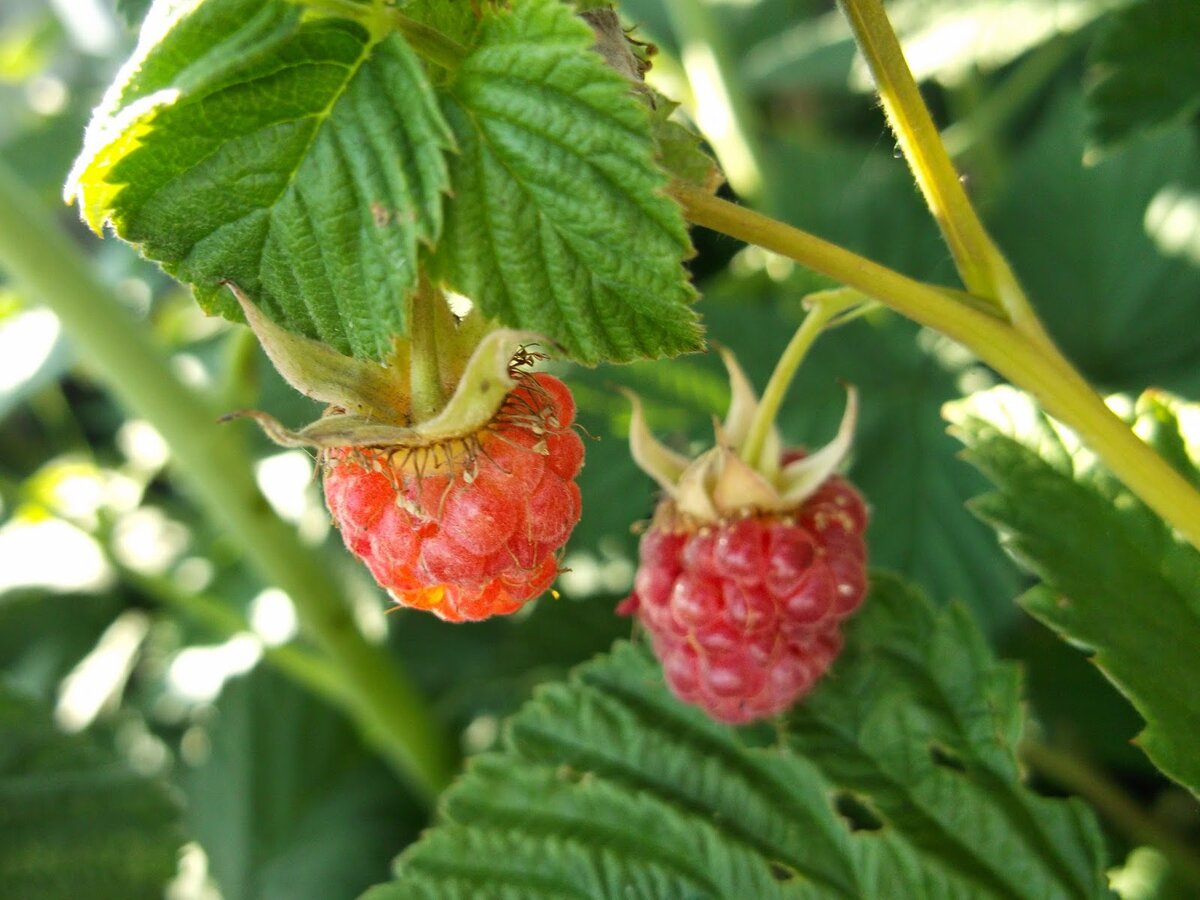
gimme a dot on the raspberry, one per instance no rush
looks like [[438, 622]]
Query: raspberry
[[744, 613], [755, 554], [467, 528]]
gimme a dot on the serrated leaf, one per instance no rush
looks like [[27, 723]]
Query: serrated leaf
[[76, 821], [1115, 579], [558, 222], [301, 158], [679, 149], [917, 722], [607, 787], [1146, 70]]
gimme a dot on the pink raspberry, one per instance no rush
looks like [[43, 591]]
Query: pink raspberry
[[469, 528], [744, 613]]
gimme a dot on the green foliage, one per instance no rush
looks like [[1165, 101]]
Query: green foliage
[[76, 821], [309, 816], [608, 787], [1147, 70], [558, 223], [302, 159], [305, 158], [897, 776], [1091, 238], [1115, 580]]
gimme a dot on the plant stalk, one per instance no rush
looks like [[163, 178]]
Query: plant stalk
[[981, 265], [1025, 361], [393, 715]]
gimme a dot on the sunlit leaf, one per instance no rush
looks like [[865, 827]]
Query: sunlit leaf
[[301, 158], [1115, 579], [558, 222]]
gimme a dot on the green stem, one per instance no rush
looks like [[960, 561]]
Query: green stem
[[721, 109], [918, 139], [393, 715], [982, 266], [823, 306], [1114, 804], [1024, 360]]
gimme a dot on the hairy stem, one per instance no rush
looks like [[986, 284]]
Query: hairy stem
[[1024, 360], [1093, 785], [215, 467], [981, 265]]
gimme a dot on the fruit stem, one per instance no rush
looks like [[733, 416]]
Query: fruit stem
[[1034, 365], [389, 711], [822, 307], [428, 395]]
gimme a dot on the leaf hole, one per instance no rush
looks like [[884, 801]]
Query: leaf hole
[[857, 812], [946, 758], [781, 871]]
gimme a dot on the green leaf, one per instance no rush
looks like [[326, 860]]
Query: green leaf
[[75, 821], [1115, 580], [920, 725], [558, 222], [1104, 250], [299, 157], [1146, 70], [607, 786], [288, 804]]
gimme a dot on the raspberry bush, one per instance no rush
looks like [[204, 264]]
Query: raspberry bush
[[434, 250]]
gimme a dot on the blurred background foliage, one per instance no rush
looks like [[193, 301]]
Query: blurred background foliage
[[132, 625]]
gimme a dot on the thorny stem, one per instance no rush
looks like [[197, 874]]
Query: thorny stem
[[823, 306], [1025, 361], [1076, 774], [388, 709]]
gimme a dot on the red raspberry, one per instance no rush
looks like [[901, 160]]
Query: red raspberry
[[744, 613], [470, 528]]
